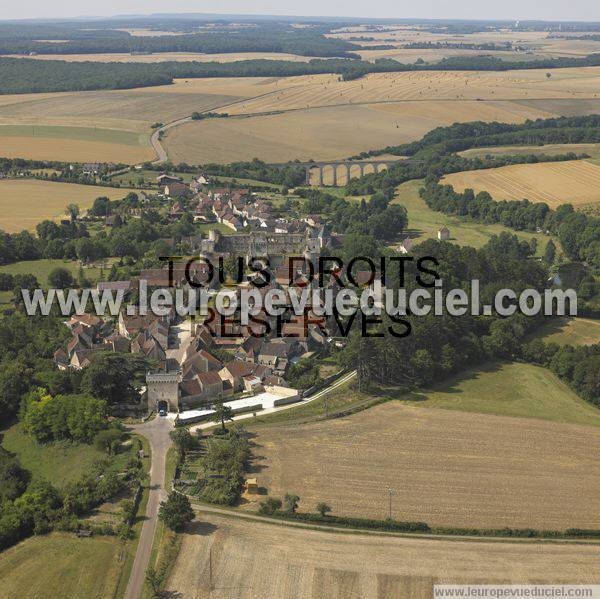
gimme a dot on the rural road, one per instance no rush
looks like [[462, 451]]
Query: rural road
[[157, 432], [161, 153]]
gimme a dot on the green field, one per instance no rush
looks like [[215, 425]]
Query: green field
[[509, 389], [61, 565], [534, 392], [41, 268], [129, 138], [59, 463], [131, 178], [592, 150], [423, 222], [570, 331]]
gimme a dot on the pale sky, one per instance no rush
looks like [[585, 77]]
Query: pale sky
[[550, 10]]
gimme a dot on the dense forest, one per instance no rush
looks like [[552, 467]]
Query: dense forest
[[287, 40]]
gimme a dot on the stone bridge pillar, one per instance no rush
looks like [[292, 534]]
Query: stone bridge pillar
[[348, 167], [334, 174], [362, 169]]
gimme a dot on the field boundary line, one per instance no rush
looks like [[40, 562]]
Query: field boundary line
[[235, 513]]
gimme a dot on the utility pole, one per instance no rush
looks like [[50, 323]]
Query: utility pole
[[391, 492], [210, 578]]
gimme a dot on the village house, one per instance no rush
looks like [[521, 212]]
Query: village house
[[203, 388], [236, 371], [406, 245], [176, 189], [197, 362], [163, 180], [443, 234]]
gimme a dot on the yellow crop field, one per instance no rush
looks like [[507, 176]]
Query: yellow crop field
[[447, 464], [325, 133], [283, 561], [576, 182], [24, 203], [76, 150]]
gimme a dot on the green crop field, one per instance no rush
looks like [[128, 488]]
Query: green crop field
[[61, 565], [41, 268]]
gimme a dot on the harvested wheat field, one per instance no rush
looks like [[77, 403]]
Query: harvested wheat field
[[328, 90], [326, 133], [321, 117], [446, 467], [575, 181], [24, 203], [282, 562]]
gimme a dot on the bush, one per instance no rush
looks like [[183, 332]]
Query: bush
[[269, 506]]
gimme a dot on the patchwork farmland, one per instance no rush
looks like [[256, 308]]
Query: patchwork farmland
[[447, 466]]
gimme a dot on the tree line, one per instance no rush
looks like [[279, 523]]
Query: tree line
[[578, 233], [478, 134]]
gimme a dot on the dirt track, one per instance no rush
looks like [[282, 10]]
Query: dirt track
[[252, 559]]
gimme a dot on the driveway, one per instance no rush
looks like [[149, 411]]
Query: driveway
[[334, 385], [157, 432]]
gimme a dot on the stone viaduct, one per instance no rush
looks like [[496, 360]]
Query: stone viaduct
[[321, 167]]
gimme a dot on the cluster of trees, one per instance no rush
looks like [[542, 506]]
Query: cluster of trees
[[176, 511], [38, 507], [439, 346], [305, 42], [71, 240], [478, 134], [76, 418], [27, 345], [378, 218], [306, 373], [288, 175], [490, 46], [223, 464], [577, 366], [13, 478]]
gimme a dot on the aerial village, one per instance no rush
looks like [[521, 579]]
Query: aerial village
[[198, 363]]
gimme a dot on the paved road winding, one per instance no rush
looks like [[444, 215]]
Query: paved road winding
[[157, 433]]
